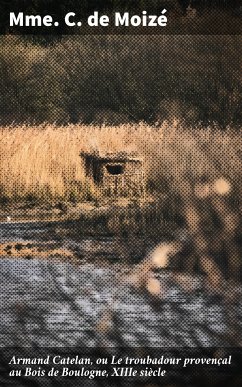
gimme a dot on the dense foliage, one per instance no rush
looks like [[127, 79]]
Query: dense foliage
[[116, 79]]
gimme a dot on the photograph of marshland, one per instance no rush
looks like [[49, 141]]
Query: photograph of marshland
[[120, 200]]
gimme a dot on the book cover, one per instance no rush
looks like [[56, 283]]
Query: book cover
[[120, 193]]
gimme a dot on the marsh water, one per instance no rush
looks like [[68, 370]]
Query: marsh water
[[87, 246], [58, 304]]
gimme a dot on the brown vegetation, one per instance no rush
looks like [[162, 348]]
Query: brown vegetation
[[193, 177], [43, 162], [33, 250]]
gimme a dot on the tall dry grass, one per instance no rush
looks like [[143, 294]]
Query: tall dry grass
[[44, 163]]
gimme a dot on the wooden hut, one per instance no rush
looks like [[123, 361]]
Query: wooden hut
[[116, 174]]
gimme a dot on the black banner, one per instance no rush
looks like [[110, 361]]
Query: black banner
[[167, 17], [120, 366]]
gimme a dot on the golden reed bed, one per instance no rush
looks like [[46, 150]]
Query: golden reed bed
[[43, 162]]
